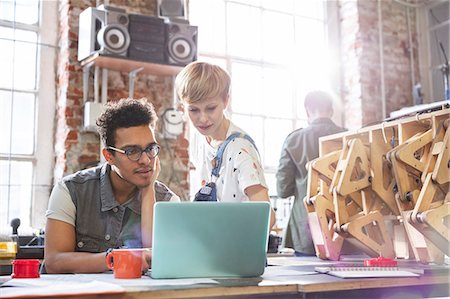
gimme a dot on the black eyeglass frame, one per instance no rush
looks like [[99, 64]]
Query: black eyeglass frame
[[148, 150]]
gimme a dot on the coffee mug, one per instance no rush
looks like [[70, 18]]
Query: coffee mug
[[25, 268], [126, 263]]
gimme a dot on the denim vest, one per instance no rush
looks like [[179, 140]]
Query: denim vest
[[101, 222]]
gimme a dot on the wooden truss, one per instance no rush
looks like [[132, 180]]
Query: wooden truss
[[385, 189]]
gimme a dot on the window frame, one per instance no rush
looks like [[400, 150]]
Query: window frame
[[42, 158], [426, 44], [330, 19]]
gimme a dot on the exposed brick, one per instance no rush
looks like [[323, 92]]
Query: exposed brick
[[87, 160], [93, 147], [182, 142], [182, 153], [68, 112], [73, 122], [72, 136], [362, 92]]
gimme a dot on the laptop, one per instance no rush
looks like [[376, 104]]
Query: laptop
[[209, 239]]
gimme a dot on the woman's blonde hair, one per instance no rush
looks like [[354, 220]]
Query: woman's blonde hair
[[202, 80]]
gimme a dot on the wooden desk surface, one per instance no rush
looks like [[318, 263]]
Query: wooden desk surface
[[304, 284], [326, 283], [282, 282]]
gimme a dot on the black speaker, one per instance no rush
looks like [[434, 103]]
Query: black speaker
[[148, 38], [181, 43], [111, 31], [103, 30], [171, 9]]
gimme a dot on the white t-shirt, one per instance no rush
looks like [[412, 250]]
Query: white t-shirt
[[60, 204], [241, 167]]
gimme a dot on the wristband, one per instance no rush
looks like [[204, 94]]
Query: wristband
[[108, 251]]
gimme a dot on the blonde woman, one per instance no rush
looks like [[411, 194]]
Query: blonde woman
[[204, 90]]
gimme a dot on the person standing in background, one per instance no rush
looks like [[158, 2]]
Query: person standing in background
[[300, 147], [204, 90]]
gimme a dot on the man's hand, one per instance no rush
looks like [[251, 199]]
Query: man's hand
[[146, 259], [155, 170], [148, 201]]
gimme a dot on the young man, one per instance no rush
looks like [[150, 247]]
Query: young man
[[111, 205], [300, 147]]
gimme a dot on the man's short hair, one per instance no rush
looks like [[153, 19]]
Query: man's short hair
[[124, 113], [202, 80], [318, 101]]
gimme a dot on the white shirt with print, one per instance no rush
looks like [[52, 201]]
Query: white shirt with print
[[241, 167]]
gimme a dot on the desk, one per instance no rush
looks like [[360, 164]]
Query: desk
[[277, 282]]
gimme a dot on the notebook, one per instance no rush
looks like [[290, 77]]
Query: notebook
[[365, 272], [209, 239]]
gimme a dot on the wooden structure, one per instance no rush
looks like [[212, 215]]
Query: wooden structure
[[385, 189]]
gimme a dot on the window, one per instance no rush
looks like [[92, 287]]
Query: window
[[434, 28], [439, 30], [27, 97], [276, 52]]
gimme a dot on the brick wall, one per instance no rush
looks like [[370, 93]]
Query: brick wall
[[362, 61], [77, 149]]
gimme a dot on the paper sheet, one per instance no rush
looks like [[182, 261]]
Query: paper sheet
[[372, 274], [296, 261], [286, 271], [84, 284], [144, 280], [4, 279], [284, 275], [365, 272], [55, 285]]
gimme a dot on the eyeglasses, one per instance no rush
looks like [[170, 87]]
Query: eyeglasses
[[134, 153]]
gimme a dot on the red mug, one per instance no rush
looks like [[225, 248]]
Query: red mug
[[25, 269], [125, 263]]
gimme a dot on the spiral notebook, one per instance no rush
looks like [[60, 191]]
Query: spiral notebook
[[365, 272]]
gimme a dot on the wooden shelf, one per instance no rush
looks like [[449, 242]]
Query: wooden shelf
[[127, 65]]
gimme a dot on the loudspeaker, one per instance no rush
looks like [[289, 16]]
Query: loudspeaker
[[111, 31], [91, 20], [148, 38], [181, 43], [113, 37], [172, 9], [103, 30]]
